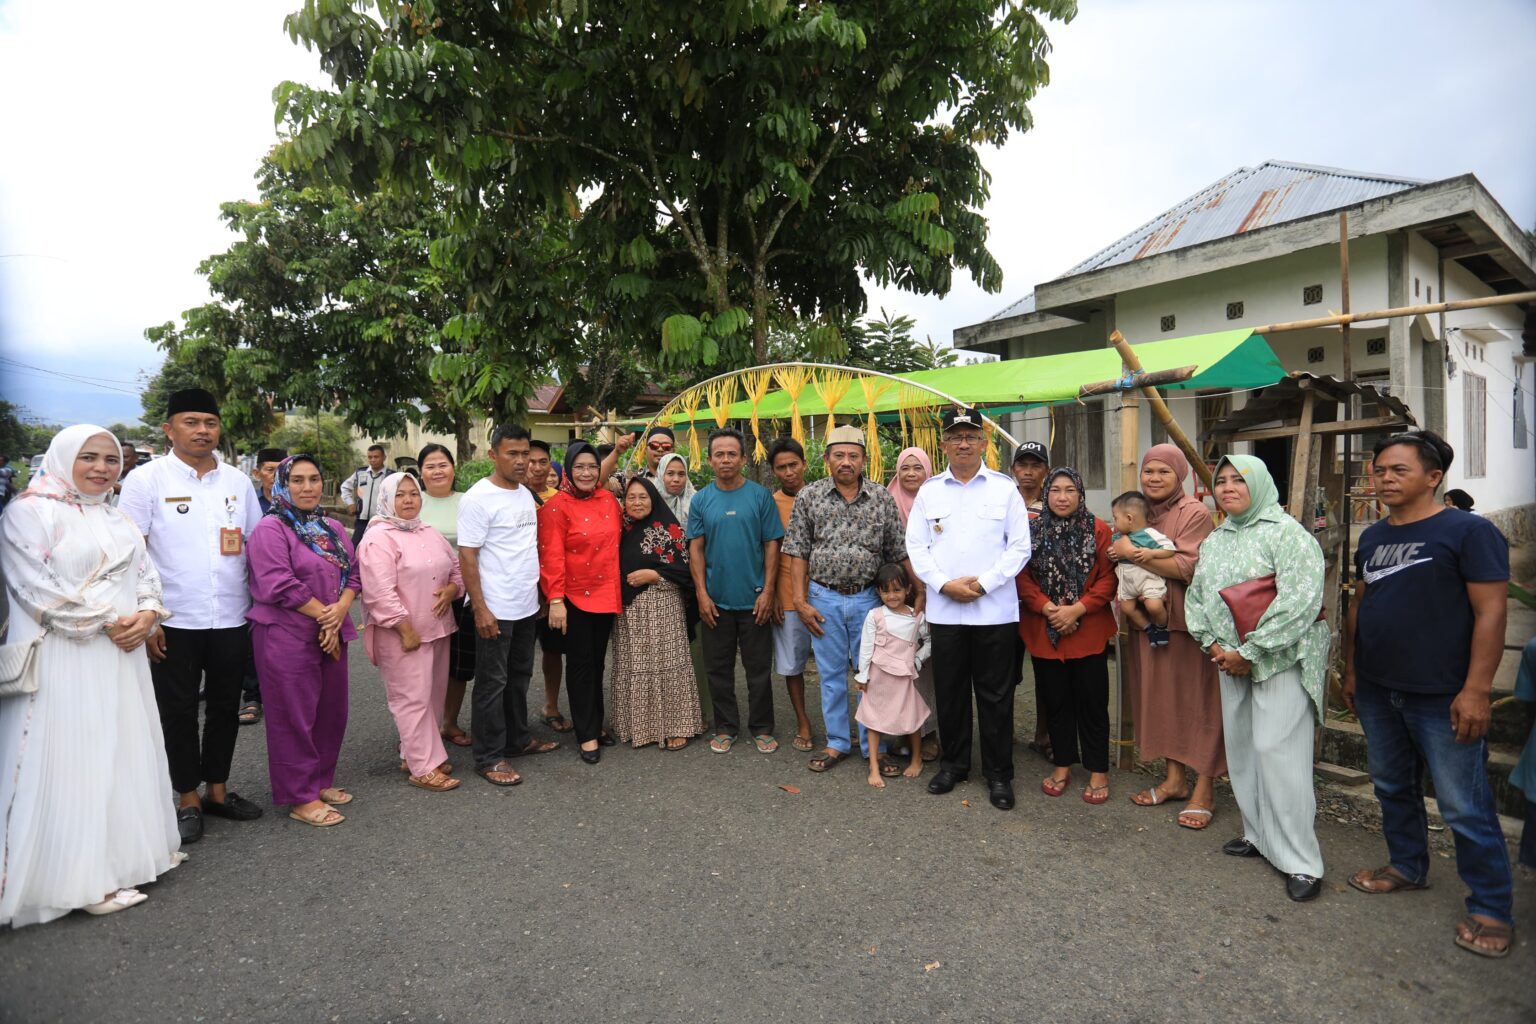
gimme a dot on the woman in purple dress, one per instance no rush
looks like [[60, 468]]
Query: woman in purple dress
[[304, 578]]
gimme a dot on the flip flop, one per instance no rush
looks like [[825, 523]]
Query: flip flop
[[558, 723], [458, 737], [1053, 787], [537, 746], [889, 769], [722, 743], [802, 743], [1095, 794], [1397, 883], [1475, 930], [765, 744], [826, 761], [250, 712], [1198, 812]]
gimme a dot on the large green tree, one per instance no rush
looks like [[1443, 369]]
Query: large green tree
[[720, 166]]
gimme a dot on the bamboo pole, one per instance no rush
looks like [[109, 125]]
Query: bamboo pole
[[1155, 379], [1349, 369], [1130, 480], [1512, 299], [1160, 410]]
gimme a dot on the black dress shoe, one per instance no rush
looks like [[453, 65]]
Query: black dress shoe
[[234, 807], [606, 740], [945, 781], [1001, 795], [592, 756], [189, 822], [1301, 888], [1240, 847]]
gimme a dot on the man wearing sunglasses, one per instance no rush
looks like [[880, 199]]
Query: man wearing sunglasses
[[658, 442]]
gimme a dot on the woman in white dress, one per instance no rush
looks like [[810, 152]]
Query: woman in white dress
[[84, 804]]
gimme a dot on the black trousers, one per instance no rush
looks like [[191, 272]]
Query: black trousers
[[191, 655], [360, 528], [1075, 695], [250, 691], [586, 646], [498, 715], [738, 631], [975, 662]]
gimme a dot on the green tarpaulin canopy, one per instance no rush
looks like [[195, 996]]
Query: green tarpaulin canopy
[[1228, 360]]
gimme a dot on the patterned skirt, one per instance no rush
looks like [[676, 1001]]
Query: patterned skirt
[[654, 693]]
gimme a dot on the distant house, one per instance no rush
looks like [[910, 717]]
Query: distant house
[[1261, 246]]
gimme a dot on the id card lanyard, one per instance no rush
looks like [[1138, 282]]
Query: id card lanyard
[[231, 540]]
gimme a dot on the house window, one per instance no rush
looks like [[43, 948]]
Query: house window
[[1077, 440], [1168, 322], [1234, 311], [1311, 295], [1315, 354], [1375, 346], [1474, 412]]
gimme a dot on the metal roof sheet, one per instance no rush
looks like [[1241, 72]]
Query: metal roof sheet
[[1250, 197]]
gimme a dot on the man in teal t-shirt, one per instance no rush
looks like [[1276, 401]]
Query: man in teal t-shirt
[[733, 552]]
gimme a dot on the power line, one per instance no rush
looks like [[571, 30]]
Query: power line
[[104, 383]]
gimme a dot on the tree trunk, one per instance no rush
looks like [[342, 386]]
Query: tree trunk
[[463, 452], [759, 316]]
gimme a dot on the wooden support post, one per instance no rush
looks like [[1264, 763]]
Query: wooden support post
[[1349, 370], [1130, 480], [1302, 466], [1512, 299], [1164, 416]]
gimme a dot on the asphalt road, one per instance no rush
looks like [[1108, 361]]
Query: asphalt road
[[665, 886]]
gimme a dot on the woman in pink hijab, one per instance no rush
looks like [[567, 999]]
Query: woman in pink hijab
[[913, 468], [1175, 693]]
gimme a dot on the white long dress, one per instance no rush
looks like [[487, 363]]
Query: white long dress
[[84, 789]]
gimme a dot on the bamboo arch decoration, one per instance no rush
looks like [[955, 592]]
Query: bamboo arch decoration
[[917, 413]]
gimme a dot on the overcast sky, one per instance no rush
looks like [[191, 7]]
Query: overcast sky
[[125, 126]]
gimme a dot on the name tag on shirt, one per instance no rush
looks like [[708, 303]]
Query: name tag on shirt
[[230, 541]]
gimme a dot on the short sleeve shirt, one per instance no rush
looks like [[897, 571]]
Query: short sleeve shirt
[[503, 524], [1414, 626], [735, 525], [843, 542]]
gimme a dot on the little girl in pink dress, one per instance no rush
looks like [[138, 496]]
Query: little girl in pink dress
[[893, 647]]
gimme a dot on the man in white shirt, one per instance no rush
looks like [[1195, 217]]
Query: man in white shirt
[[196, 514], [358, 490], [968, 538], [499, 554]]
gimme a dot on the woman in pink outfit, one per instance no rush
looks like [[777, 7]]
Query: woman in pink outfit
[[410, 580]]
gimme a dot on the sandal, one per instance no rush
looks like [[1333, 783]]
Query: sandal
[[801, 743], [446, 768], [458, 737], [323, 818], [335, 796], [674, 743], [722, 743], [558, 722], [537, 746], [1383, 880], [1471, 929], [889, 769], [435, 781], [827, 760], [1154, 795], [930, 748], [250, 712], [1096, 794], [499, 774], [1055, 787], [1202, 814], [765, 744]]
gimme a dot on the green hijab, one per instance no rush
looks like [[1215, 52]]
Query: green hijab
[[1261, 488]]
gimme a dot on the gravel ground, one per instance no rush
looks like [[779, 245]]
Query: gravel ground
[[741, 887]]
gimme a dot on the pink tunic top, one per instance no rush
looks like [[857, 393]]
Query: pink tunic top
[[401, 571]]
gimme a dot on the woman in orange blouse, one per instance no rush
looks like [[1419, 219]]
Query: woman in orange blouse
[[1067, 590], [579, 531]]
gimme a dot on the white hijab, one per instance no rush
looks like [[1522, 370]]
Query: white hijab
[[57, 480], [678, 503]]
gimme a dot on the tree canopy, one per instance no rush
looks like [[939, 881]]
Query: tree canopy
[[695, 172]]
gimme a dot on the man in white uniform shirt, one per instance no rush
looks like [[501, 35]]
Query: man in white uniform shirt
[[359, 492], [968, 538], [499, 554], [196, 514]]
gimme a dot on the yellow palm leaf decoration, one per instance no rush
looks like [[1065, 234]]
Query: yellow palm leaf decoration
[[757, 383], [722, 393], [991, 433], [873, 388], [833, 387], [792, 381], [690, 402]]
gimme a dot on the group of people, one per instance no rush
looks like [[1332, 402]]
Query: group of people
[[918, 601]]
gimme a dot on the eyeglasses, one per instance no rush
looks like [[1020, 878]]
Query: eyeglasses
[[964, 440]]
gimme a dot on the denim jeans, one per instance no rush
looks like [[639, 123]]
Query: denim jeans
[[1405, 732], [837, 654]]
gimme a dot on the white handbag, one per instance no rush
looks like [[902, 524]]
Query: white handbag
[[18, 667]]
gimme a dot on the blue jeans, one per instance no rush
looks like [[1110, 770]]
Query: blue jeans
[[837, 653], [1405, 732]]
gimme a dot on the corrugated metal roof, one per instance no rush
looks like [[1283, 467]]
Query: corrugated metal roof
[[1248, 198], [1023, 306]]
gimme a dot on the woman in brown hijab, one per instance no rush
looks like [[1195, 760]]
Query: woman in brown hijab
[[1175, 693]]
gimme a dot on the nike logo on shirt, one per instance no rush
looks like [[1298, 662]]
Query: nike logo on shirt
[[1373, 575]]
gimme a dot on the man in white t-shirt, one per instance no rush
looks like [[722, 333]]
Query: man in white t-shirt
[[196, 513], [499, 554]]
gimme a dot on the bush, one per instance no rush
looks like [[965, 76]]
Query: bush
[[470, 473], [329, 441]]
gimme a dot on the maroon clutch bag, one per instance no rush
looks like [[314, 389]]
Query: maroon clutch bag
[[1249, 601]]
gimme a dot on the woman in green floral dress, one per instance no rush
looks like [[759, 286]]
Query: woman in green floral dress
[[1272, 674]]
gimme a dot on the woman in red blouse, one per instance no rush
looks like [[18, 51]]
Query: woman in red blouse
[[1066, 590], [579, 531]]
